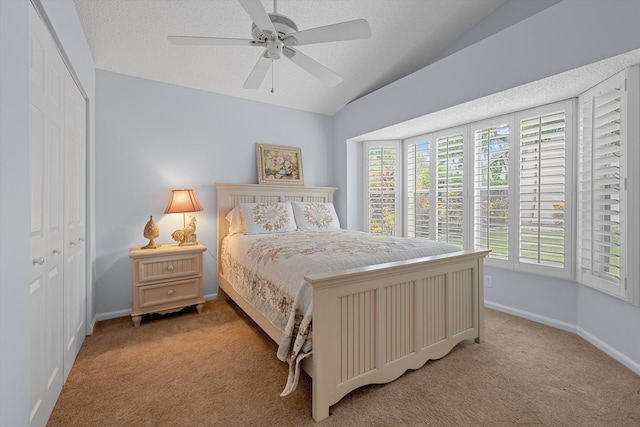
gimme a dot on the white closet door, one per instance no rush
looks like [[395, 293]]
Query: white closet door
[[47, 73], [74, 223]]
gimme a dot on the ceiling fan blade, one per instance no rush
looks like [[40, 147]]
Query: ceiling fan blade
[[260, 17], [257, 75], [211, 41], [350, 30], [313, 67]]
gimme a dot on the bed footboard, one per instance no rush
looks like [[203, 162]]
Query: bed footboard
[[372, 324]]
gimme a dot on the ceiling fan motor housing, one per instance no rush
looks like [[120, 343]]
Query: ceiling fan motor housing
[[283, 25]]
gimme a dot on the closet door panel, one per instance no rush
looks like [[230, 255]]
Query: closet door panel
[[47, 139], [74, 223]]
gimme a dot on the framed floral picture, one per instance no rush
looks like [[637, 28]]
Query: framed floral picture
[[279, 165]]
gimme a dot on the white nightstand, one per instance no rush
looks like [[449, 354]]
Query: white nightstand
[[166, 279]]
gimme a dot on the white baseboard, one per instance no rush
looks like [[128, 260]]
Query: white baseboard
[[558, 324], [123, 313], [610, 351], [606, 348], [113, 314]]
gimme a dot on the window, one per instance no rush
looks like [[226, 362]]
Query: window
[[485, 186], [608, 234], [435, 197], [491, 195], [521, 187], [418, 186], [383, 189], [449, 188], [545, 187]]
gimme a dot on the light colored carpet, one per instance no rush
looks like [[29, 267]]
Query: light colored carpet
[[220, 369]]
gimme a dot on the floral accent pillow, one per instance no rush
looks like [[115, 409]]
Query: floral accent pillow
[[315, 216], [236, 222], [262, 218]]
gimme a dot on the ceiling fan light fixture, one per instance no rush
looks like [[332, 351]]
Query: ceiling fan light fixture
[[274, 48]]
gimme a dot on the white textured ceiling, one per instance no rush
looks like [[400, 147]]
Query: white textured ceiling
[[130, 37]]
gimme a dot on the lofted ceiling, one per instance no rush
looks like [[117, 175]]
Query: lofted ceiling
[[130, 37]]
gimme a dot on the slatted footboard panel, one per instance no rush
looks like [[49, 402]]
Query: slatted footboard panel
[[434, 323], [399, 320], [357, 334], [386, 325]]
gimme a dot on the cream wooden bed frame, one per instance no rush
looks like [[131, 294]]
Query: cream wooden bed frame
[[371, 324]]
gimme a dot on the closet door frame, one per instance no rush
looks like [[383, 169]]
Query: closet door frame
[[58, 282]]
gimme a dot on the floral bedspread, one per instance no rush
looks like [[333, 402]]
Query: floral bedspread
[[268, 271]]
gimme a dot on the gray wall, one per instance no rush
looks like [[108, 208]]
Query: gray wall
[[562, 37], [153, 137], [15, 202]]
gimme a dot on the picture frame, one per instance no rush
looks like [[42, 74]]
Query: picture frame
[[279, 165]]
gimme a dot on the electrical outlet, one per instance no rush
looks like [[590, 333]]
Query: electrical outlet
[[488, 281]]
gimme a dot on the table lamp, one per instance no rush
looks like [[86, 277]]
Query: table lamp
[[183, 201]]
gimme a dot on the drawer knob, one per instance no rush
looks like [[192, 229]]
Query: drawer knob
[[170, 292], [170, 267]]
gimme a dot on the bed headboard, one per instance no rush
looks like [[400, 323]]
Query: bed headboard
[[229, 195]]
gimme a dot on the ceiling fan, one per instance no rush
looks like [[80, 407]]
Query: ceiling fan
[[278, 35]]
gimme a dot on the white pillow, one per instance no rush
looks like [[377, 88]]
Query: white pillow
[[315, 216], [262, 218], [236, 223]]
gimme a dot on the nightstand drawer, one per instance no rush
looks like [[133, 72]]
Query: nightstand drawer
[[166, 295], [167, 268]]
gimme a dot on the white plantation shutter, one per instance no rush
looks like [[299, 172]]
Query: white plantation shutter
[[543, 188], [601, 190], [449, 188], [525, 193], [383, 187], [491, 192], [418, 182]]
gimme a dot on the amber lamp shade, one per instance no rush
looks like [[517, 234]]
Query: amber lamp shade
[[183, 201]]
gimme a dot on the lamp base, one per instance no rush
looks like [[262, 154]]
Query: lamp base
[[191, 241], [183, 239], [186, 236]]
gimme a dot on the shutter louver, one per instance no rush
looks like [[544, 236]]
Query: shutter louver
[[418, 179], [449, 188], [382, 179], [491, 199], [600, 190], [542, 190]]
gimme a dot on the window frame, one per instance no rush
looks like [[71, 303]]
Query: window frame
[[399, 216], [405, 181], [567, 271], [433, 137], [467, 132], [473, 127]]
